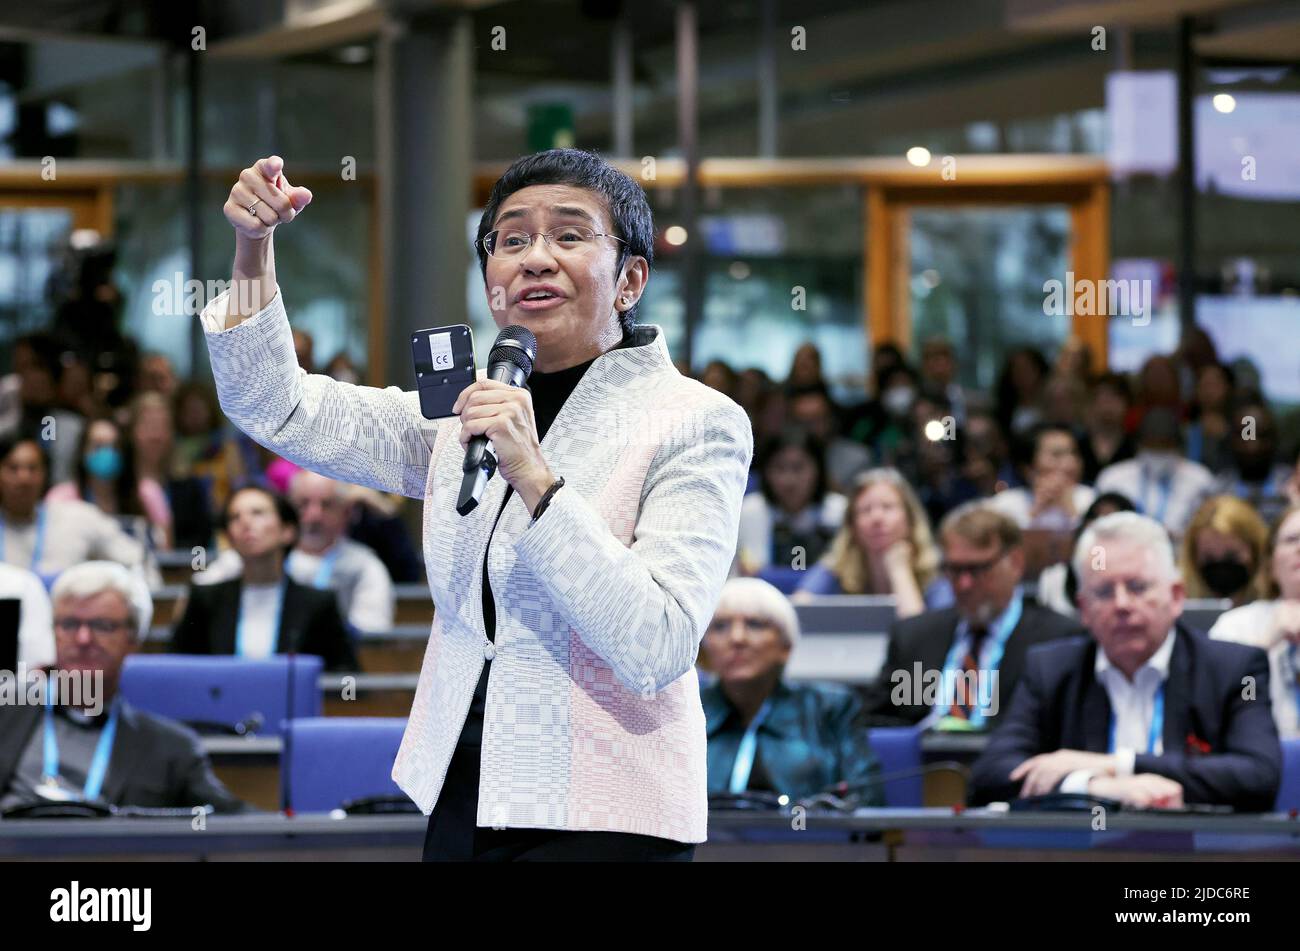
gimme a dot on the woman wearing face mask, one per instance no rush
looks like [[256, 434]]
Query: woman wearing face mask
[[788, 523], [106, 478], [1273, 623], [884, 547], [1223, 552]]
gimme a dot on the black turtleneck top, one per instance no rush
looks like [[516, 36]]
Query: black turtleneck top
[[549, 392]]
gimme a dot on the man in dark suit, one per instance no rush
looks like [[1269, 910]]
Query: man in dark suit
[[104, 750], [961, 663], [1146, 711], [263, 611]]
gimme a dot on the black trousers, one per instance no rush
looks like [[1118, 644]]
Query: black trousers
[[452, 835]]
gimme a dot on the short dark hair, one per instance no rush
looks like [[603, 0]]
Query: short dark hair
[[792, 436], [1117, 383], [12, 441], [283, 507], [47, 352], [625, 200]]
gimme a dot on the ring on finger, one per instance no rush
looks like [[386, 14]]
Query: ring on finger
[[250, 208]]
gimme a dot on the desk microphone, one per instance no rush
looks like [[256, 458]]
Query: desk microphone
[[511, 361]]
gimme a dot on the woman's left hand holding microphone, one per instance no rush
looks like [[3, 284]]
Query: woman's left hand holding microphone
[[504, 414]]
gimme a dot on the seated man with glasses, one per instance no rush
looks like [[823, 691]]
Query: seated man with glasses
[[1146, 711], [955, 668], [76, 738]]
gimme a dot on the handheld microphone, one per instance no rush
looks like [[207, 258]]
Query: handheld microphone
[[511, 361]]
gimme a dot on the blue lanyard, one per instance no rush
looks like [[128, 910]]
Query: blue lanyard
[[38, 550], [98, 763], [1157, 722], [279, 615], [1163, 487], [326, 570], [748, 747], [1000, 634]]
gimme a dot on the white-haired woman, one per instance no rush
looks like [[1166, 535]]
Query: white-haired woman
[[764, 734], [884, 547]]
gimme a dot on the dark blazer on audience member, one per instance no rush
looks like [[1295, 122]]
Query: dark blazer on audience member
[[310, 624], [1221, 747], [156, 762], [927, 638]]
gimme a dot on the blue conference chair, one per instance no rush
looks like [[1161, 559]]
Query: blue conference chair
[[224, 693], [785, 580], [1288, 794], [898, 748], [333, 760]]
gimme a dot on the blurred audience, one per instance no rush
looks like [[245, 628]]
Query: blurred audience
[[791, 520], [884, 547], [1106, 441], [1254, 472], [1273, 622], [1182, 730], [47, 538], [973, 652], [1210, 418], [107, 478], [1224, 552], [89, 744], [324, 557], [157, 375], [812, 408], [1053, 499], [263, 611], [151, 432], [765, 734], [1058, 586], [939, 374], [30, 405], [1020, 391], [1161, 483]]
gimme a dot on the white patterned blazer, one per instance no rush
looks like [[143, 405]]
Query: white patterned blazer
[[593, 717]]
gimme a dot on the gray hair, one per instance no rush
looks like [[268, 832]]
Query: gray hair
[[1130, 527], [95, 577], [757, 598]]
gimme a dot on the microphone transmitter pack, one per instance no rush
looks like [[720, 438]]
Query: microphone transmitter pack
[[444, 365]]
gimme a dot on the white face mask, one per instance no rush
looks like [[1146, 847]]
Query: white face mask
[[898, 399]]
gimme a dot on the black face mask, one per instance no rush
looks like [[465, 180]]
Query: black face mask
[[1256, 467], [1224, 576]]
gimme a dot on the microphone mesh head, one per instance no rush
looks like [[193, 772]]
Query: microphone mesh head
[[516, 345]]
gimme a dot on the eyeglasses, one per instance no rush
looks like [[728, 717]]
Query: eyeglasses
[[1136, 588], [567, 239], [99, 626], [976, 569]]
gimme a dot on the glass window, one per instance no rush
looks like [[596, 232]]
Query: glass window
[[977, 276]]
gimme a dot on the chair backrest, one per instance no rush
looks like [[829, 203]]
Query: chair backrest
[[1200, 613], [785, 580], [898, 748], [222, 690], [334, 759], [1288, 794]]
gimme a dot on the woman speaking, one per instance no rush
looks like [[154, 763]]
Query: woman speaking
[[557, 714]]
